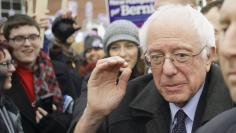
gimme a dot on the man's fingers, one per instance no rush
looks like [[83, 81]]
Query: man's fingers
[[39, 116], [54, 107], [124, 77], [42, 111], [113, 58], [109, 63]]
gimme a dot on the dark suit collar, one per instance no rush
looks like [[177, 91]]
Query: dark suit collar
[[147, 98], [150, 103], [215, 98]]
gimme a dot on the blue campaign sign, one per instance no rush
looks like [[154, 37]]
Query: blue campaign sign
[[136, 11]]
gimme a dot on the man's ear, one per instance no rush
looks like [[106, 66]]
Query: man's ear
[[211, 54]]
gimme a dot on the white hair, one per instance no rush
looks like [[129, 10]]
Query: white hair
[[184, 13]]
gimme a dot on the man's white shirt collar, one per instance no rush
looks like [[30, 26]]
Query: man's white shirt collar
[[189, 109]]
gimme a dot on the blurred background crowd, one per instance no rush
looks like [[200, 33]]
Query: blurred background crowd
[[75, 34]]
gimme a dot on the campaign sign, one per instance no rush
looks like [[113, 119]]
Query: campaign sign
[[136, 11]]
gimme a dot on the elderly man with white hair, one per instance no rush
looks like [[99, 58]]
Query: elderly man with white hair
[[184, 91]]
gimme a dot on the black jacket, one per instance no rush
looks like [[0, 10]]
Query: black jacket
[[144, 110], [59, 122], [64, 79], [81, 102], [223, 123]]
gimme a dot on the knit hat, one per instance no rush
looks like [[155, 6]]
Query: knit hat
[[92, 41], [62, 28], [120, 30]]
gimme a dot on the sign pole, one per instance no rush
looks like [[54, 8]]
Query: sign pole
[[30, 10], [41, 8], [64, 6]]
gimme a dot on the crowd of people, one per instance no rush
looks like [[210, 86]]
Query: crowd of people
[[175, 74]]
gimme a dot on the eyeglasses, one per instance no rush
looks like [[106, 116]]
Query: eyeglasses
[[19, 40], [7, 64], [156, 59]]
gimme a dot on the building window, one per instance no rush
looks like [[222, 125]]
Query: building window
[[10, 7]]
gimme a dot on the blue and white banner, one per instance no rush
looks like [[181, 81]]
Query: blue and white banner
[[136, 11]]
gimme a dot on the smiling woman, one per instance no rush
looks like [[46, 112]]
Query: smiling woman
[[6, 66], [10, 121], [121, 39]]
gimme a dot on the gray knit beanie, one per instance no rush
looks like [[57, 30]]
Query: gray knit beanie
[[92, 41], [120, 30]]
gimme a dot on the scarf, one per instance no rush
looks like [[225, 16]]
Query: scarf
[[45, 82]]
